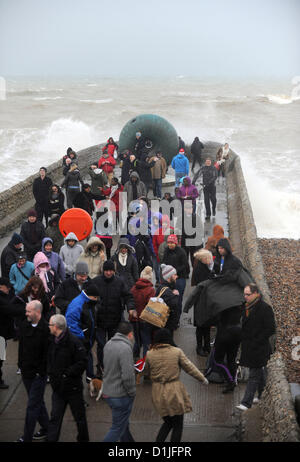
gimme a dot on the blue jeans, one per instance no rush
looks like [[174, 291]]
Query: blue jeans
[[157, 184], [143, 337], [36, 409], [256, 382], [121, 410]]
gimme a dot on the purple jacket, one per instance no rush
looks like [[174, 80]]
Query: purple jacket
[[191, 191]]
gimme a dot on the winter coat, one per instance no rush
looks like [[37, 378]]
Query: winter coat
[[119, 375], [180, 163], [142, 291], [9, 256], [114, 293], [110, 147], [196, 148], [201, 271], [94, 262], [159, 169], [33, 348], [107, 163], [51, 277], [55, 260], [32, 234], [116, 199], [257, 328], [127, 167], [56, 205], [99, 180], [66, 292], [54, 233], [20, 301], [80, 317], [143, 250], [187, 192], [41, 189], [129, 273], [72, 180], [140, 186], [164, 363], [7, 313], [84, 200], [178, 259], [144, 166], [210, 175], [231, 266], [16, 277], [70, 255], [67, 360], [172, 301]]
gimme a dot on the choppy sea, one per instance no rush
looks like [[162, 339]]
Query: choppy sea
[[41, 117]]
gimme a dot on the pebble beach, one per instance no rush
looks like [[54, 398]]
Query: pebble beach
[[281, 260]]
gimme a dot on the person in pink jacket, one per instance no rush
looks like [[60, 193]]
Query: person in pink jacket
[[188, 191]]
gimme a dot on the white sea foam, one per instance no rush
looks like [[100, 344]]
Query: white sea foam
[[45, 98], [97, 101]]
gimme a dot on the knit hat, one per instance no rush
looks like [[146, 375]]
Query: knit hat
[[172, 238], [82, 268], [91, 289], [108, 265], [22, 256], [167, 271], [147, 273], [16, 239], [32, 213], [5, 282], [181, 150], [163, 336]]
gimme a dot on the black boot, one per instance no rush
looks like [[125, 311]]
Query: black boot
[[229, 388]]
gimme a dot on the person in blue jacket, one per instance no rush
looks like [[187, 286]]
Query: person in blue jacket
[[20, 273], [80, 317], [180, 164]]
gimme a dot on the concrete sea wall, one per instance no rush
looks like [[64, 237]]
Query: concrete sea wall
[[277, 410], [16, 201]]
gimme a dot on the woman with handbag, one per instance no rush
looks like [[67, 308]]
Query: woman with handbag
[[164, 362]]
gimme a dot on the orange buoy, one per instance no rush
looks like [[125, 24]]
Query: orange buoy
[[77, 221]]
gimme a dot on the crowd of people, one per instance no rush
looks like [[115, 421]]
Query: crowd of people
[[59, 297]]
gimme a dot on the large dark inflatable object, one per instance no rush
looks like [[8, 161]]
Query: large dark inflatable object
[[162, 134]]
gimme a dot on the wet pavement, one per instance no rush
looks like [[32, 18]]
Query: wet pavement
[[213, 419]]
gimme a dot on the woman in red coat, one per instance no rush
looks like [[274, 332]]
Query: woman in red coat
[[107, 163], [113, 193], [110, 147], [142, 291]]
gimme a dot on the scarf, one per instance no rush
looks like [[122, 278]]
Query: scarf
[[113, 190], [249, 306], [123, 258], [42, 273]]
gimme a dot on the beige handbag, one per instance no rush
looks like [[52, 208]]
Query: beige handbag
[[156, 313]]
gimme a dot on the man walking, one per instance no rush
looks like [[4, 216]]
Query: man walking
[[67, 360], [180, 164], [258, 324], [41, 188], [209, 175], [119, 382], [33, 349]]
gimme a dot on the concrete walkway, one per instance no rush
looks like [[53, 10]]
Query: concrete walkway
[[214, 417]]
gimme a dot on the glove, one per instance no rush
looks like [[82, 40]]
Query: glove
[[205, 381]]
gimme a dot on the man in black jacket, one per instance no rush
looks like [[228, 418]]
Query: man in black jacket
[[114, 294], [67, 360], [84, 199], [10, 254], [32, 233], [226, 264], [33, 349], [209, 175], [71, 287], [196, 151], [41, 188], [258, 324]]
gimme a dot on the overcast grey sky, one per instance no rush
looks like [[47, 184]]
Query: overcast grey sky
[[227, 38]]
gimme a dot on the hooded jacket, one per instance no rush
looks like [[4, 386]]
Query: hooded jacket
[[178, 259], [70, 255], [55, 260], [119, 375], [94, 261], [72, 179], [229, 269], [128, 272], [140, 186], [67, 291], [180, 163], [56, 203], [10, 255], [107, 163], [110, 147], [51, 279], [18, 278], [80, 317], [187, 192], [196, 148]]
